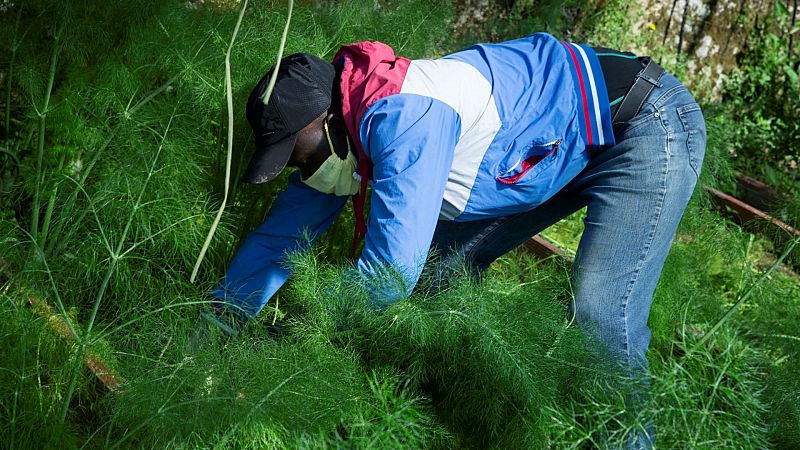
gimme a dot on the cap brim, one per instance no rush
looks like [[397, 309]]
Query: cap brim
[[268, 162]]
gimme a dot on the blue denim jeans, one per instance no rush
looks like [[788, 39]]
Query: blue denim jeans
[[635, 194]]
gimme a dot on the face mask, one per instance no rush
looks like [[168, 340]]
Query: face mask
[[336, 175]]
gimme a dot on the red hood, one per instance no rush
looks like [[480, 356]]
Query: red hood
[[371, 71]]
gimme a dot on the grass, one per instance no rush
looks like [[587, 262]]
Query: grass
[[495, 364]]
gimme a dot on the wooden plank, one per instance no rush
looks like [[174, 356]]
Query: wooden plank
[[99, 368], [541, 248]]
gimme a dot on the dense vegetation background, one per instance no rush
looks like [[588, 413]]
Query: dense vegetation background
[[111, 169]]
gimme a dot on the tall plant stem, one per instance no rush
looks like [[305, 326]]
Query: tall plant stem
[[116, 256], [40, 153], [229, 97], [271, 85], [51, 203], [83, 341], [743, 298], [9, 74]]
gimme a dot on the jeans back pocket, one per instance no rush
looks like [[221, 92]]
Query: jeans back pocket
[[694, 124]]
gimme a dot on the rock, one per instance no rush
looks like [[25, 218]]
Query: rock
[[706, 35]]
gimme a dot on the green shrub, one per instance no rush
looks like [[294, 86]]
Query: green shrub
[[763, 97]]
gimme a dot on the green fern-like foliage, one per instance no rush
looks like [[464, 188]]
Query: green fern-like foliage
[[131, 147]]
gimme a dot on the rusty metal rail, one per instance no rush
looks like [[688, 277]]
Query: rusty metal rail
[[745, 213]]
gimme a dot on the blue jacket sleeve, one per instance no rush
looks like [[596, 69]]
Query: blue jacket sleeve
[[410, 140], [257, 270]]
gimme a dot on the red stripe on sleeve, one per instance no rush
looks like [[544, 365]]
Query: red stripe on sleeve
[[583, 93]]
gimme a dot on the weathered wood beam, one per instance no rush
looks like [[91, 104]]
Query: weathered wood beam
[[99, 368], [541, 248]]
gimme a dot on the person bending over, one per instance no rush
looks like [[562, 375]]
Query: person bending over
[[472, 154]]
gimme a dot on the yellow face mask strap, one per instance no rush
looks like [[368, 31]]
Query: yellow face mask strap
[[330, 141]]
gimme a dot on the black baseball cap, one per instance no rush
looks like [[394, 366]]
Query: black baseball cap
[[302, 92]]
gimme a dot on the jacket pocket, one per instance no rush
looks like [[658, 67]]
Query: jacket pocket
[[533, 158]]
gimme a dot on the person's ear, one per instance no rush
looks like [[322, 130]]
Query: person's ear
[[338, 133]]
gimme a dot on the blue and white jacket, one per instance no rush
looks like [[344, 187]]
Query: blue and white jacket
[[492, 130]]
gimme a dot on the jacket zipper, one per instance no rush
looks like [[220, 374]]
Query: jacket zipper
[[513, 179]]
